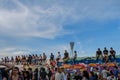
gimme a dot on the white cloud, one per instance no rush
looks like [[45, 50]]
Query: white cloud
[[47, 22], [25, 22], [15, 51], [11, 51], [8, 49]]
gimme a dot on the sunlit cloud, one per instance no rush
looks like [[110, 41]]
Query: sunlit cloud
[[10, 51], [46, 19], [47, 22]]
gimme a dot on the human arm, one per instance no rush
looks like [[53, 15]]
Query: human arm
[[8, 66]]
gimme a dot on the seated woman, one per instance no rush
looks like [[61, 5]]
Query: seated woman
[[66, 57]]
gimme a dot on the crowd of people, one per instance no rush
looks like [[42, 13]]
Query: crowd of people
[[55, 72], [59, 73], [105, 56], [39, 59]]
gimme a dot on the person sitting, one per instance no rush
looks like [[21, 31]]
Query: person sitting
[[44, 58], [99, 55], [66, 57], [105, 52], [58, 57], [112, 54], [75, 57], [51, 57]]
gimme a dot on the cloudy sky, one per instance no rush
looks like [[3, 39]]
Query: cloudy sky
[[37, 26]]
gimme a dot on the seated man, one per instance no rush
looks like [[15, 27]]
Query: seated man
[[105, 52], [75, 57], [51, 57], [112, 54], [99, 55], [66, 57], [58, 57]]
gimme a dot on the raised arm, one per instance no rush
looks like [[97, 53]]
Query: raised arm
[[8, 66]]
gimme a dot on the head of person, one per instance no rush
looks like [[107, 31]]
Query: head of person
[[104, 48], [98, 49], [75, 51], [119, 74], [111, 48], [59, 70], [91, 74], [15, 71], [95, 69], [104, 67], [58, 52], [85, 74], [26, 74], [65, 51], [112, 75], [62, 69], [30, 69]]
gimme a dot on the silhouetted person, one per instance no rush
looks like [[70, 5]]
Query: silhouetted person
[[112, 54], [75, 57], [105, 52], [99, 55], [66, 56]]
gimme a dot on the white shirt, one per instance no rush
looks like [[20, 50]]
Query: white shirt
[[110, 78], [59, 56], [64, 76], [59, 76], [104, 73]]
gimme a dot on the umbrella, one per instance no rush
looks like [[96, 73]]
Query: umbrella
[[111, 64], [79, 66], [66, 65], [92, 65]]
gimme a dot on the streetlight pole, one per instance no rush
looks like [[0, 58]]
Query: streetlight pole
[[72, 46]]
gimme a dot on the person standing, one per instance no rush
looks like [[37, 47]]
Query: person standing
[[43, 74], [85, 75], [4, 71], [15, 74], [104, 73], [49, 74], [59, 75]]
